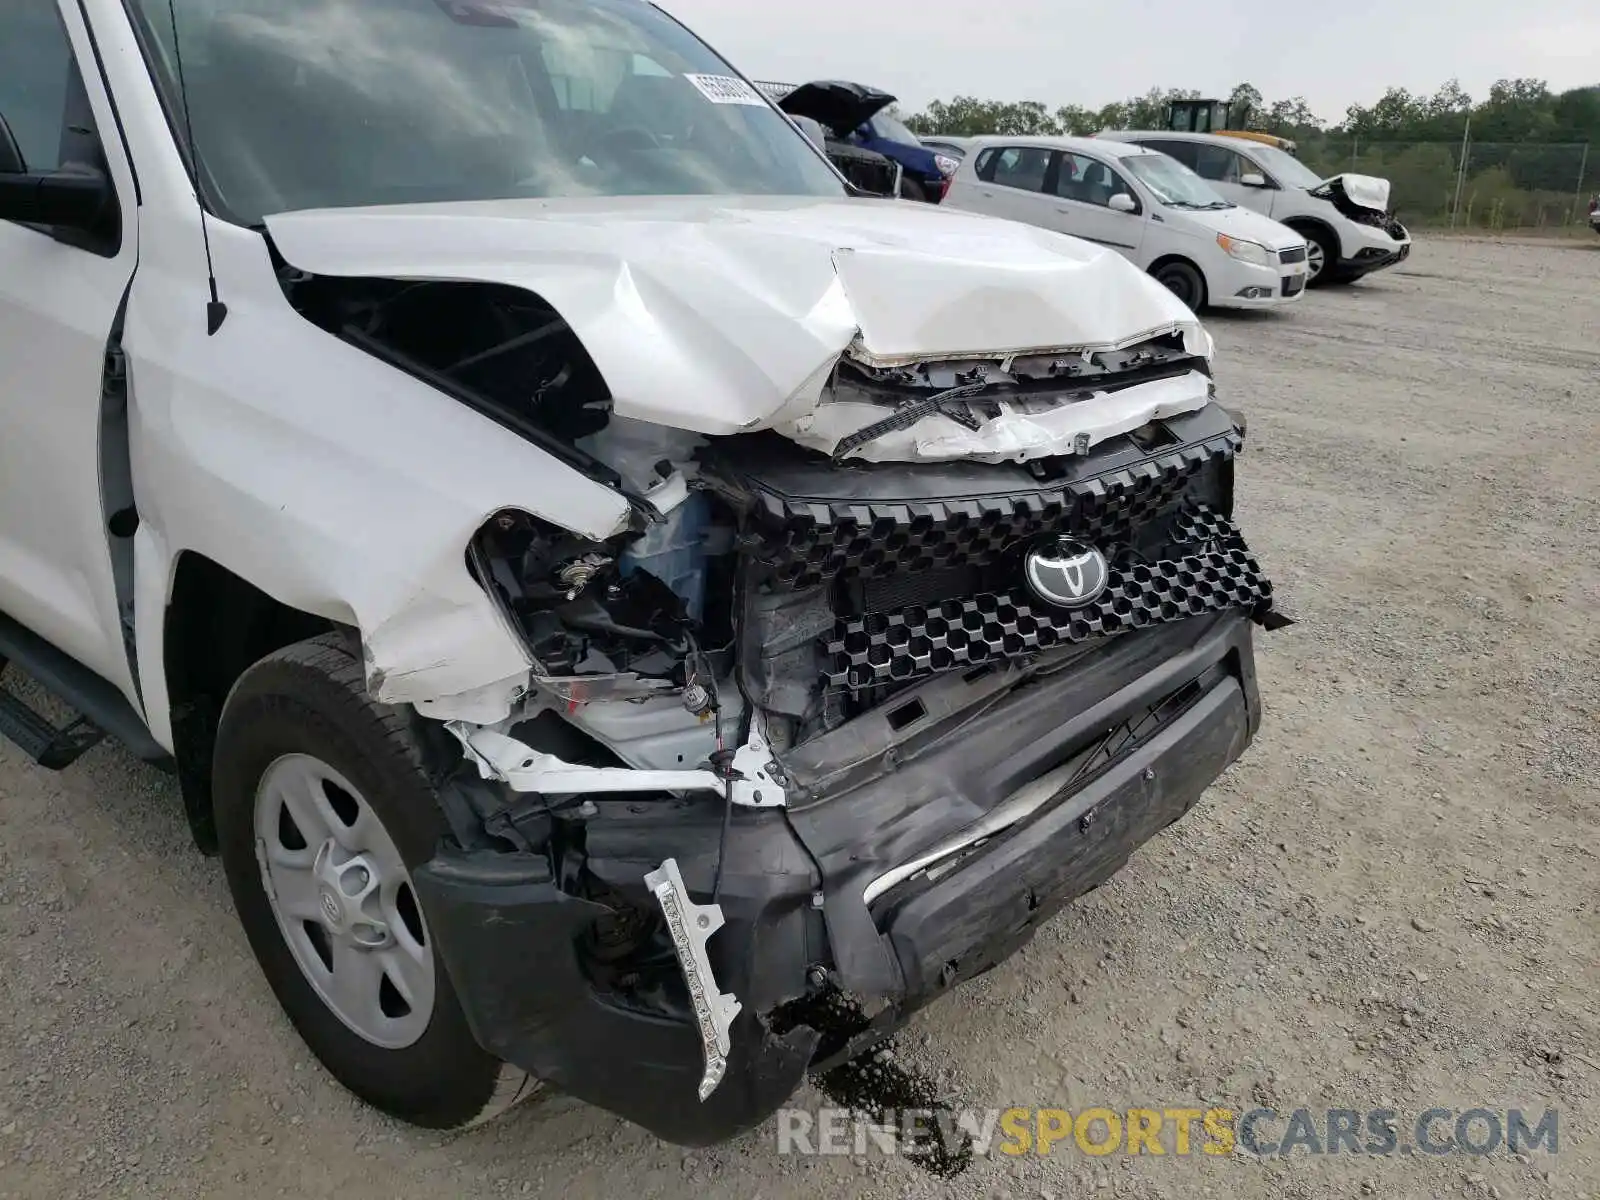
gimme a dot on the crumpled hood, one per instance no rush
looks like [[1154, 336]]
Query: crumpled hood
[[717, 314], [1364, 191]]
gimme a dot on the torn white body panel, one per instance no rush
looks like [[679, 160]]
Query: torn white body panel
[[1016, 435], [336, 484], [721, 315], [1368, 191]]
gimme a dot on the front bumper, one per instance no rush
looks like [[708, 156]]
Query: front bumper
[[1235, 284], [1380, 252], [803, 916]]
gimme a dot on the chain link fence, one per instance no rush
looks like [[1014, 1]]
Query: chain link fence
[[1482, 185]]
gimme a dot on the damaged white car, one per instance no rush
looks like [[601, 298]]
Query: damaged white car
[[1349, 228], [630, 614]]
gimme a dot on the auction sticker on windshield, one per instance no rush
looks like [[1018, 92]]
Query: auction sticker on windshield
[[726, 89]]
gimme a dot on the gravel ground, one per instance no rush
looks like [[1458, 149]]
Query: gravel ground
[[1390, 902]]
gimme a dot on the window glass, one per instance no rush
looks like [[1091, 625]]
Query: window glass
[[1088, 180], [892, 130], [35, 64], [332, 103], [1184, 152], [1172, 183], [1022, 167], [1217, 163], [1285, 167]]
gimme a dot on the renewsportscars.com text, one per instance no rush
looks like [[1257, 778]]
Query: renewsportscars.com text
[[1177, 1131]]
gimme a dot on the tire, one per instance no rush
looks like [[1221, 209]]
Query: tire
[[910, 189], [1322, 257], [1184, 281], [300, 743]]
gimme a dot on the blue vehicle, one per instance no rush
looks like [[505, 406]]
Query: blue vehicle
[[855, 113]]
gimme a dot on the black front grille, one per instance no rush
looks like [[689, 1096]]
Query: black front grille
[[860, 578], [1293, 285], [1298, 254], [1218, 573], [807, 541]]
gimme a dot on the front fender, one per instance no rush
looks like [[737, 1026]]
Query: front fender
[[335, 483]]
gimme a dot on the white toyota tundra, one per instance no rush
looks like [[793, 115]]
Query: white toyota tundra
[[606, 589]]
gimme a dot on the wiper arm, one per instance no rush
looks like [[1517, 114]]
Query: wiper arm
[[909, 414]]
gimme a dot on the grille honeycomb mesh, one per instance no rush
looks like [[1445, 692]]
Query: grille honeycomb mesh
[[918, 640], [808, 543]]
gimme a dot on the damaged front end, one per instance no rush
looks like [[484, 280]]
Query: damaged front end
[[873, 658], [1363, 199], [811, 697]]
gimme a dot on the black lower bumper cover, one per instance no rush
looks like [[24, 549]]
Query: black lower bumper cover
[[1354, 268], [508, 935]]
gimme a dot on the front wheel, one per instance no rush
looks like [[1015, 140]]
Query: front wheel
[[1184, 281], [323, 811], [1322, 255]]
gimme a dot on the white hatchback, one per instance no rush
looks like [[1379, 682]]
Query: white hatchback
[[1143, 204]]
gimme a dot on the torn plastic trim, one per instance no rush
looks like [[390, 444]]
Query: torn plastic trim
[[1074, 427], [690, 926], [751, 781], [1195, 340]]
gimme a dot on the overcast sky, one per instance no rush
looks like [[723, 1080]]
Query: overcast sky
[[1333, 52]]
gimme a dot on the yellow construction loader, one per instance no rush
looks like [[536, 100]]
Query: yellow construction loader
[[1212, 116]]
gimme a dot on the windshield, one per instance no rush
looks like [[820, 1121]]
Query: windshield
[[332, 103], [1286, 168], [1172, 183], [890, 129]]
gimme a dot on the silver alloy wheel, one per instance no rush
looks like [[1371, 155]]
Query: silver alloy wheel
[[344, 900], [1315, 259]]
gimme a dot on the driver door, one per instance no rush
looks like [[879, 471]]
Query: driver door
[[60, 295]]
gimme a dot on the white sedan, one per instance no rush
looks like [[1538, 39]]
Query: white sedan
[[1150, 208]]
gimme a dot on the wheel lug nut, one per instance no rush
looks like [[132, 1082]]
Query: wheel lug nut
[[358, 878]]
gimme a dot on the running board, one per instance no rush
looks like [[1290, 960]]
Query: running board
[[105, 710], [52, 748]]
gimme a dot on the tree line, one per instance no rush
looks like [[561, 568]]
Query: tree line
[[1531, 159]]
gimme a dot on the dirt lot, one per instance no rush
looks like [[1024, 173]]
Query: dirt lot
[[1391, 902]]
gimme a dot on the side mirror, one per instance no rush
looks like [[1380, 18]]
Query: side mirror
[[1253, 179], [77, 199], [1122, 202]]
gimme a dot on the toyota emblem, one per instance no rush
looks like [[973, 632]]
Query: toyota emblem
[[1066, 573]]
